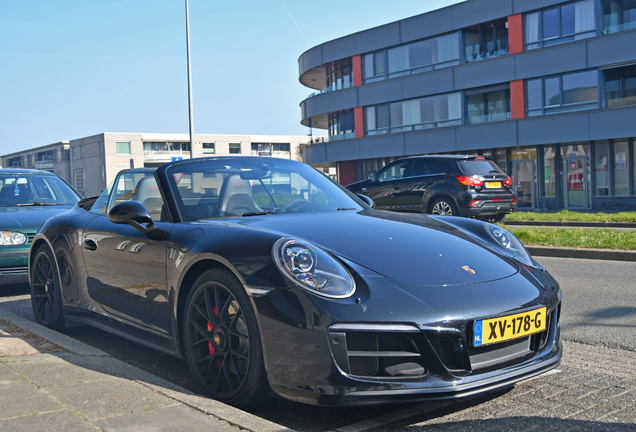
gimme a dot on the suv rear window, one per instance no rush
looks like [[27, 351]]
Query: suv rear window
[[479, 167]]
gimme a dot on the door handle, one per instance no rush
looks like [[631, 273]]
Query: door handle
[[90, 245]]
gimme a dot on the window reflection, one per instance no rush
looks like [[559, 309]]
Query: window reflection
[[564, 23], [568, 92], [486, 40], [620, 86], [618, 15], [416, 114], [488, 106], [342, 125]]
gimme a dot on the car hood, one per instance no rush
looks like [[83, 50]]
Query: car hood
[[410, 248], [28, 219]]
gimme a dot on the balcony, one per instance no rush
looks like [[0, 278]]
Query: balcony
[[44, 164], [163, 156]]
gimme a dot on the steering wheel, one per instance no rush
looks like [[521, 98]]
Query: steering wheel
[[294, 205]]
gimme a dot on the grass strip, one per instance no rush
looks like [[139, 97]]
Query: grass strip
[[576, 237], [569, 216]]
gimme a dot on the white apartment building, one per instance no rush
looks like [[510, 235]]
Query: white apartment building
[[91, 163]]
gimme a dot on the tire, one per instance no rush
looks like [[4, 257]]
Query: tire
[[46, 293], [500, 217], [222, 342], [444, 207]]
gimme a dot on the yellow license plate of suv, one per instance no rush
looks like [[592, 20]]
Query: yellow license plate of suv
[[495, 330], [493, 184]]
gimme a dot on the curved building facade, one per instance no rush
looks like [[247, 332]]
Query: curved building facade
[[546, 88]]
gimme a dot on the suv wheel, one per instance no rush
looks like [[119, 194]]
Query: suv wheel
[[500, 217], [444, 207]]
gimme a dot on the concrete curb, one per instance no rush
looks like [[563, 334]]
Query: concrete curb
[[597, 254], [231, 415]]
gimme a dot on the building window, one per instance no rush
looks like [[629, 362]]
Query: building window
[[122, 147], [423, 56], [417, 114], [101, 147], [208, 148], [376, 120], [621, 167], [79, 179], [549, 172], [618, 15], [620, 86], [559, 24], [569, 92], [488, 106], [342, 125], [281, 150], [235, 148], [340, 79], [374, 68], [601, 168], [486, 40], [262, 149], [103, 172]]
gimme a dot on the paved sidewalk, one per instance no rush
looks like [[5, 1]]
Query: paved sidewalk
[[51, 382], [44, 387]]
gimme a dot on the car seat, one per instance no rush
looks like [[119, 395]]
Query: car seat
[[236, 197]]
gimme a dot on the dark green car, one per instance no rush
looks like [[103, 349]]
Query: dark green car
[[27, 198]]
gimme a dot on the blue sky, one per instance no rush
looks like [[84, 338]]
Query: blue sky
[[74, 68]]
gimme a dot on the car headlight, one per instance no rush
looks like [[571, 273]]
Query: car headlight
[[506, 239], [312, 269], [8, 238]]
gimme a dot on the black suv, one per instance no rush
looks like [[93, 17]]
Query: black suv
[[471, 186]]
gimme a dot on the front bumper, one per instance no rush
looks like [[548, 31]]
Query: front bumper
[[307, 362], [14, 265]]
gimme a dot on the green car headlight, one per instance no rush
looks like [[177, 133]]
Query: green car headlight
[[312, 269], [10, 238]]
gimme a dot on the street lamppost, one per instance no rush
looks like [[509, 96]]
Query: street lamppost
[[190, 110]]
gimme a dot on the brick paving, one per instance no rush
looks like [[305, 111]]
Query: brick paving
[[594, 389]]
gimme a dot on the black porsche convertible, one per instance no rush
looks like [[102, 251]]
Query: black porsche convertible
[[265, 275]]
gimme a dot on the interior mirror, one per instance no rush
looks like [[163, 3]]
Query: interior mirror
[[135, 214], [368, 201]]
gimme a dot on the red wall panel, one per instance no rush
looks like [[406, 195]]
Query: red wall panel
[[517, 100], [346, 173], [358, 117], [356, 67], [515, 33]]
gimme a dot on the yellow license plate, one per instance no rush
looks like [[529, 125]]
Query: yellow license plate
[[495, 330], [493, 184]]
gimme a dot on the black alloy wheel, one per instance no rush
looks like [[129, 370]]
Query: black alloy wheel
[[46, 297], [221, 340], [444, 207]]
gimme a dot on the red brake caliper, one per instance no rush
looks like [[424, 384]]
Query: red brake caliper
[[211, 329]]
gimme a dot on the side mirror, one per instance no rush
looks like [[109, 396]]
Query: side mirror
[[373, 178], [368, 201], [135, 214]]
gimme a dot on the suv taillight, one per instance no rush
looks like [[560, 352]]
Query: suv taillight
[[507, 182], [470, 181]]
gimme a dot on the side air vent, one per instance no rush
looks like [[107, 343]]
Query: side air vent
[[377, 354]]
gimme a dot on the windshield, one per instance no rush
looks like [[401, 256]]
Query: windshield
[[18, 190], [210, 189], [479, 167]]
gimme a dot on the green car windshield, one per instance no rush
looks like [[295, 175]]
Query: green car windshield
[[24, 189], [247, 187]]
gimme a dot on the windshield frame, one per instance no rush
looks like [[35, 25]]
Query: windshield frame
[[311, 175], [54, 183]]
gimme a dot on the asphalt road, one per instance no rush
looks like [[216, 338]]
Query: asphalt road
[[599, 308]]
